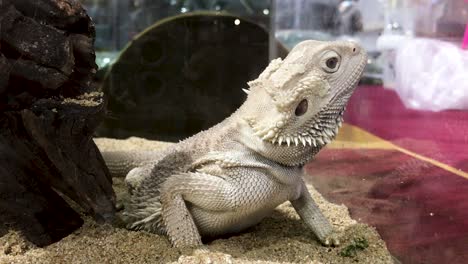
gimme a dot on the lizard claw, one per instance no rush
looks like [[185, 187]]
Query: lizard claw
[[331, 240]]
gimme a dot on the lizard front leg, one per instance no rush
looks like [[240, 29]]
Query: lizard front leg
[[314, 219], [203, 190]]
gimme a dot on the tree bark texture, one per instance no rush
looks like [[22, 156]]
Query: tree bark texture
[[48, 114]]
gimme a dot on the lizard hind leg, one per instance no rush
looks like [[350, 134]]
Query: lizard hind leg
[[143, 209], [135, 177], [144, 215], [151, 223]]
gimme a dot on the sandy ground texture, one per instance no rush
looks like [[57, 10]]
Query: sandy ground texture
[[280, 238]]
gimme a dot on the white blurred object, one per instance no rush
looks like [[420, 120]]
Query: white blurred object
[[431, 75], [388, 45], [399, 25]]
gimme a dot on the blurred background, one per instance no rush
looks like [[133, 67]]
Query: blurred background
[[171, 68], [381, 26]]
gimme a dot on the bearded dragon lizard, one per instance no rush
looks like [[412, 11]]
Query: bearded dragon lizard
[[229, 177]]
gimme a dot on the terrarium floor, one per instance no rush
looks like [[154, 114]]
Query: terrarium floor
[[403, 171]]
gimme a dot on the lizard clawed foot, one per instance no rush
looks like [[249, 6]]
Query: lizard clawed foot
[[331, 240], [203, 255]]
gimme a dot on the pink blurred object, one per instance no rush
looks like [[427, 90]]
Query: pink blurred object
[[465, 38]]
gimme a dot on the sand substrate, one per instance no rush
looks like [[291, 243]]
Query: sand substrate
[[280, 238]]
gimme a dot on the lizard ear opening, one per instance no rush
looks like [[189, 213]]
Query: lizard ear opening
[[301, 108]]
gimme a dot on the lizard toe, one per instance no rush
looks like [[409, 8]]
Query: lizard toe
[[331, 240]]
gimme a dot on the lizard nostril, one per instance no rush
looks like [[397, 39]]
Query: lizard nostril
[[354, 49]]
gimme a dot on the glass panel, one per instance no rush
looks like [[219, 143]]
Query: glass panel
[[165, 54], [400, 161], [170, 69]]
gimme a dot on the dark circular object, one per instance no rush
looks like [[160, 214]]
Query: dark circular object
[[332, 62], [182, 75], [152, 51], [301, 108]]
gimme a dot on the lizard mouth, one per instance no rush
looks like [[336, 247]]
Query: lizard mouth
[[316, 133]]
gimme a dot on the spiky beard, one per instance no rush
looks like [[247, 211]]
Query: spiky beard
[[317, 132]]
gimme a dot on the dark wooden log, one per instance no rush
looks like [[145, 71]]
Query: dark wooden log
[[5, 69], [50, 169]]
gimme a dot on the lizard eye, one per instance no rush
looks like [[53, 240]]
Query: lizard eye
[[331, 63], [301, 108]]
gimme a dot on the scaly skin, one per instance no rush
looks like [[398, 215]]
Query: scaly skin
[[229, 177]]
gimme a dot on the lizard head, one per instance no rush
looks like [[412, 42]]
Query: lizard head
[[298, 103]]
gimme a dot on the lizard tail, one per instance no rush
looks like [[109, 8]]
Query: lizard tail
[[121, 162]]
